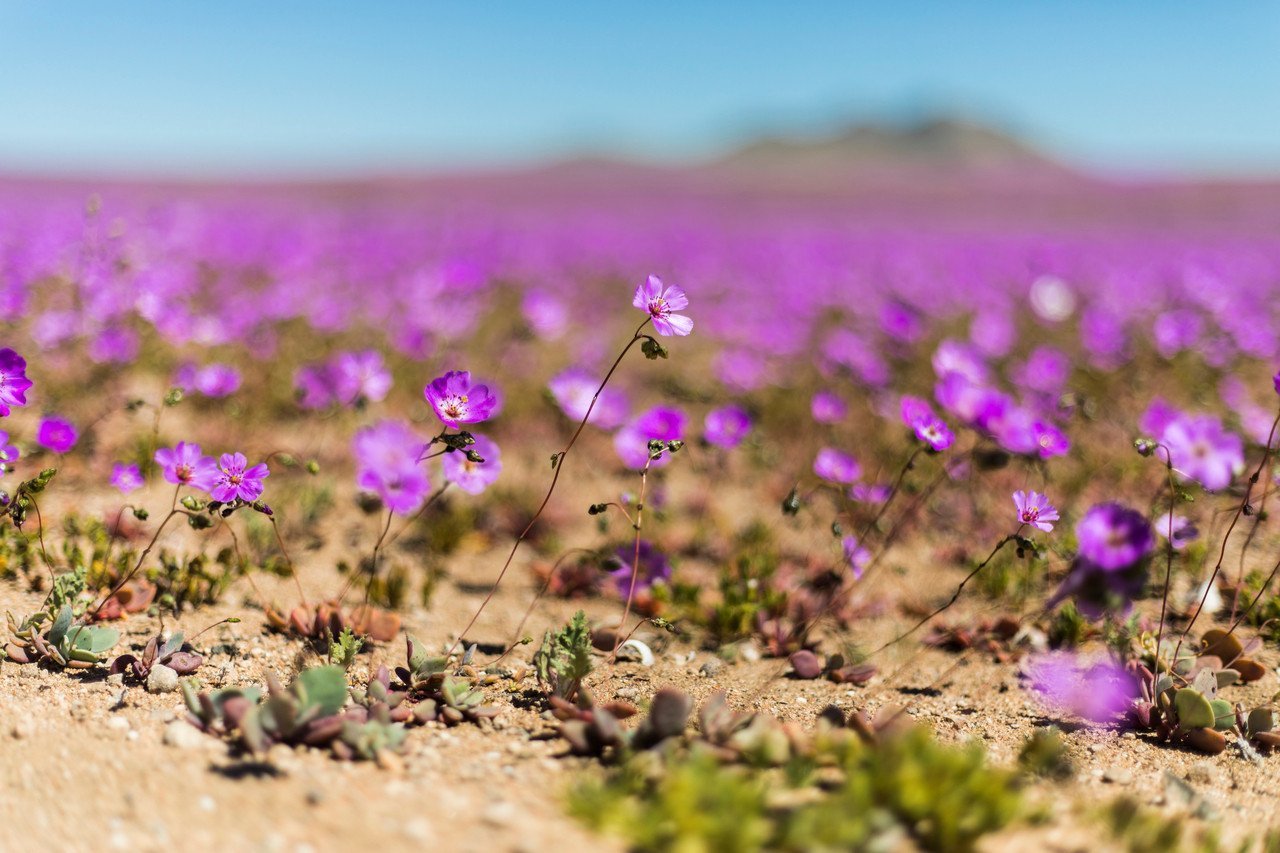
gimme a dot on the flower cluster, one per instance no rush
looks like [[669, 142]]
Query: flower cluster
[[347, 379]]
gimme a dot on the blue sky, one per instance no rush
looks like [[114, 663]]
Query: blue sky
[[311, 87]]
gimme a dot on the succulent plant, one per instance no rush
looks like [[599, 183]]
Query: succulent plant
[[174, 653], [309, 712], [564, 659], [324, 622], [440, 696], [65, 645], [422, 672], [595, 731]]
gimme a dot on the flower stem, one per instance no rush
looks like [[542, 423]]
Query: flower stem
[[555, 478], [1244, 502], [955, 596]]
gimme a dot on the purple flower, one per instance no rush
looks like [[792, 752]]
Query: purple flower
[[1097, 691], [855, 555], [1049, 440], [654, 568], [1203, 451], [632, 441], [956, 357], [13, 381], [212, 380], [1177, 529], [727, 427], [1045, 370], [546, 315], [126, 478], [457, 401], [870, 493], [1157, 417], [660, 301], [314, 385], [359, 377], [57, 434], [1113, 537], [474, 477], [827, 408], [184, 465], [835, 466], [927, 426], [387, 465], [234, 481], [8, 454], [573, 389], [1035, 509], [1275, 380]]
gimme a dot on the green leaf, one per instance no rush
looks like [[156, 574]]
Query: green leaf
[[325, 686], [1261, 720], [60, 625], [1193, 710], [1224, 716]]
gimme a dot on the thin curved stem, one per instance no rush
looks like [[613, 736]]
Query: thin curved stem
[[1253, 480], [546, 585], [635, 559], [288, 560], [955, 596], [559, 459], [1168, 565], [120, 584]]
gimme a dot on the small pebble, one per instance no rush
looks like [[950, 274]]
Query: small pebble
[[1117, 776], [162, 679], [183, 735], [711, 668]]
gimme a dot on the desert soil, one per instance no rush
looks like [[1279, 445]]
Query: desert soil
[[91, 765]]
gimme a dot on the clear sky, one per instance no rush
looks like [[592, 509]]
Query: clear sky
[[222, 86]]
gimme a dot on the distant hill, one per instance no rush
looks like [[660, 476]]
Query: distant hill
[[939, 143]]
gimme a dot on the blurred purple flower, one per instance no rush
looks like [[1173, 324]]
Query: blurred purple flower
[[8, 454], [632, 441], [387, 465], [1177, 529], [546, 315], [855, 555], [1097, 691], [727, 426], [1045, 370], [1202, 450], [212, 380], [573, 389], [1114, 537], [659, 301], [235, 480], [14, 383], [1049, 440], [126, 478], [57, 434], [827, 408], [184, 465], [870, 493], [474, 477], [314, 386], [956, 357], [359, 376], [836, 466], [654, 568], [457, 401], [1158, 415]]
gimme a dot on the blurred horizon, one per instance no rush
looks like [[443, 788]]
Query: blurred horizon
[[291, 91]]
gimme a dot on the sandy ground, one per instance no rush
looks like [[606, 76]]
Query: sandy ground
[[90, 765]]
